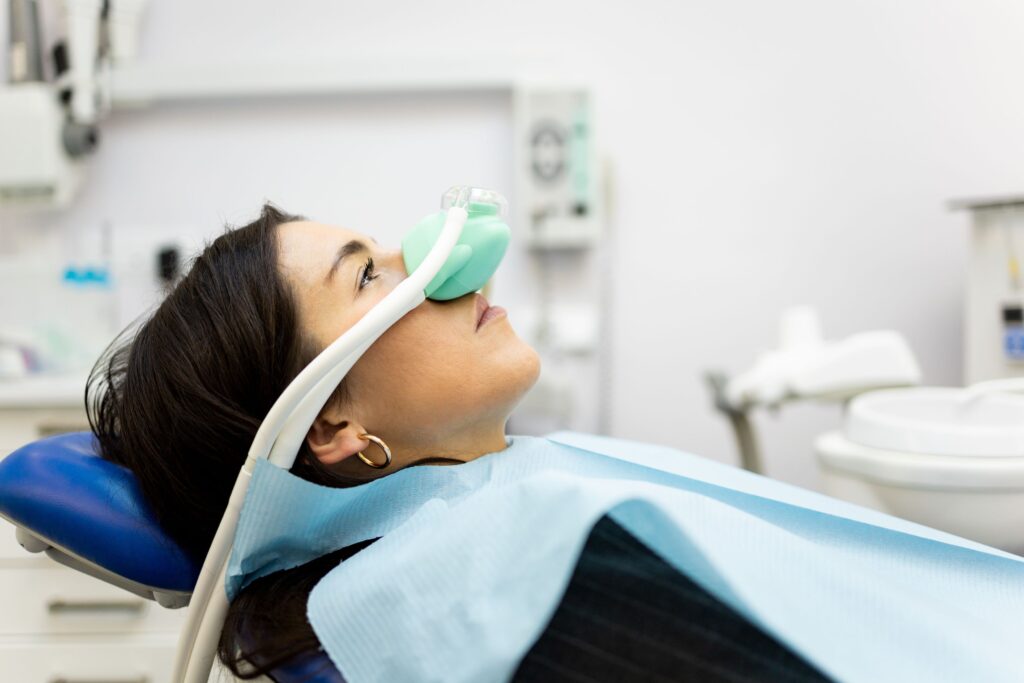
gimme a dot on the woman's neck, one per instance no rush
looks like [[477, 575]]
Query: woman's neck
[[463, 446]]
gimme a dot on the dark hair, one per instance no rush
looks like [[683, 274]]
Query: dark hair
[[180, 401]]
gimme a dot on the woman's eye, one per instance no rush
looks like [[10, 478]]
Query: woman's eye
[[368, 275]]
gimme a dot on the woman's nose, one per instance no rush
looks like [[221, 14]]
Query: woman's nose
[[393, 261]]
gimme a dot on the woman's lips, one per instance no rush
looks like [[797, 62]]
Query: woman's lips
[[485, 312]]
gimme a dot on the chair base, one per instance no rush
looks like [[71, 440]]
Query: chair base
[[35, 543]]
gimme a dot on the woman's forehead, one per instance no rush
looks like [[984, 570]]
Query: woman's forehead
[[304, 245], [311, 234]]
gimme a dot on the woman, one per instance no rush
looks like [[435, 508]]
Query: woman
[[180, 403]]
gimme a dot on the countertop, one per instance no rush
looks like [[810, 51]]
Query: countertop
[[43, 391]]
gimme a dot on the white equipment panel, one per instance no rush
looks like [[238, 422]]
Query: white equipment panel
[[556, 170], [994, 322]]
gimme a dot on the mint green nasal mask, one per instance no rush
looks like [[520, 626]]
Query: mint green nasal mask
[[448, 254], [472, 261]]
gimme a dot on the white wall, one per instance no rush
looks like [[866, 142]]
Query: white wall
[[798, 151]]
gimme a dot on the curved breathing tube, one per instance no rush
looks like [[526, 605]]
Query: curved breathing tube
[[448, 254]]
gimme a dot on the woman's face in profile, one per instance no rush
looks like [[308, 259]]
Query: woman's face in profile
[[432, 375]]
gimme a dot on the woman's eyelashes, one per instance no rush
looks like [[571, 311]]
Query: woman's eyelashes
[[367, 274]]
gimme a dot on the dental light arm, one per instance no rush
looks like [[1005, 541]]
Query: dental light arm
[[83, 24]]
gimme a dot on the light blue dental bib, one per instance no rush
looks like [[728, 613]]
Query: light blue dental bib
[[474, 559]]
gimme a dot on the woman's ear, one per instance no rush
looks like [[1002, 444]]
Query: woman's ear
[[332, 442]]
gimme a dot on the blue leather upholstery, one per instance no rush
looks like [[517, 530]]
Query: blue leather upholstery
[[60, 489]]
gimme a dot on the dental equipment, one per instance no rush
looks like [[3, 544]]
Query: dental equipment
[[48, 126], [25, 60], [288, 421], [806, 367], [994, 301], [950, 458]]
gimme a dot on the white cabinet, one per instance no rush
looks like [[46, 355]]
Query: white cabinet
[[58, 625], [51, 599], [19, 426], [87, 660]]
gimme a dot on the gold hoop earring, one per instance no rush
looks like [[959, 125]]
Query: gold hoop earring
[[383, 446]]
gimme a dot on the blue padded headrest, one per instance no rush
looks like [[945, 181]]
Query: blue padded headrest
[[61, 490]]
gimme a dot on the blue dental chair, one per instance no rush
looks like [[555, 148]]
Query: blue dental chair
[[89, 514]]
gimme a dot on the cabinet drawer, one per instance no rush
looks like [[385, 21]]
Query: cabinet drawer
[[56, 600], [21, 426], [113, 661]]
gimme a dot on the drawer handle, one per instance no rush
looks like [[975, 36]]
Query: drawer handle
[[56, 428], [62, 679], [58, 607]]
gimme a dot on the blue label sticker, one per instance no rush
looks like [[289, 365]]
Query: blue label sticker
[[1013, 343]]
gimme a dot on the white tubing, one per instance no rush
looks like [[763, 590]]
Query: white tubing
[[321, 383], [194, 657], [279, 438], [305, 396]]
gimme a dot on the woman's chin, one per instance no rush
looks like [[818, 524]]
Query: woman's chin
[[527, 370]]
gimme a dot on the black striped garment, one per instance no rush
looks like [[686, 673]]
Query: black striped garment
[[628, 615]]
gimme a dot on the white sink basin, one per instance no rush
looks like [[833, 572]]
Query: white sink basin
[[938, 421]]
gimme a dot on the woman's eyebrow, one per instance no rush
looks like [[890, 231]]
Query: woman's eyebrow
[[349, 248]]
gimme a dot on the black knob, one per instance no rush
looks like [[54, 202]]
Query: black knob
[[80, 138]]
